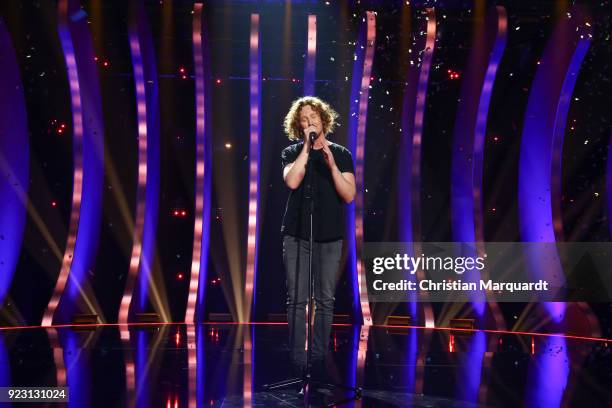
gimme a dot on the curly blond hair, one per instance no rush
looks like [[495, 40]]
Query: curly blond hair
[[292, 119]]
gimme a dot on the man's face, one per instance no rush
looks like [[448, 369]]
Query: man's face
[[310, 118]]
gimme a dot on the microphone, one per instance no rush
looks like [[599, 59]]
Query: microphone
[[312, 136]]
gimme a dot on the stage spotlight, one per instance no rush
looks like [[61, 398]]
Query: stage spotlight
[[228, 145]]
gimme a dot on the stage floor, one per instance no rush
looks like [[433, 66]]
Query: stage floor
[[226, 365]]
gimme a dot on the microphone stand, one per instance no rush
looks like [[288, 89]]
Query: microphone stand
[[306, 379]]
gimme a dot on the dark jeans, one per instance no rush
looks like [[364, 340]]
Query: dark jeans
[[325, 261]]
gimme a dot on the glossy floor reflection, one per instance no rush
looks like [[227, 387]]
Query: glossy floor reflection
[[226, 365]]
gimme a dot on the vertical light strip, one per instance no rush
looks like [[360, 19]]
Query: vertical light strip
[[130, 370], [362, 353], [468, 146], [311, 56], [481, 119], [73, 286], [359, 106], [501, 26], [126, 300], [548, 374], [77, 138], [470, 368], [58, 357], [541, 147], [78, 368], [199, 108], [14, 162], [192, 364], [248, 365], [254, 155], [201, 233], [149, 289], [418, 146], [409, 166]]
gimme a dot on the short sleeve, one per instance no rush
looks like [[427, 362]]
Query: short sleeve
[[288, 155], [345, 162]]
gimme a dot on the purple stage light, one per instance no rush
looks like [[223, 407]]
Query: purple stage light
[[14, 162], [203, 182], [88, 152], [362, 68], [311, 56], [468, 143], [409, 163], [548, 375], [147, 193], [470, 369], [254, 156], [542, 144]]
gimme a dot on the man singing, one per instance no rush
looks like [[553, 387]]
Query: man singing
[[331, 185]]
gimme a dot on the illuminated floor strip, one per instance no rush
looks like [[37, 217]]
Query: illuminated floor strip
[[136, 325]]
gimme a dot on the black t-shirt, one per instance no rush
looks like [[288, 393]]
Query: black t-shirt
[[329, 207]]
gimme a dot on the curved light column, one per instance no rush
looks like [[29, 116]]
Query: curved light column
[[254, 156], [416, 359], [14, 162], [203, 187], [409, 163], [548, 374], [196, 361], [470, 368], [58, 357], [78, 367], [147, 193], [542, 145], [88, 151], [248, 364], [311, 56], [130, 369], [360, 89], [468, 142], [144, 382]]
